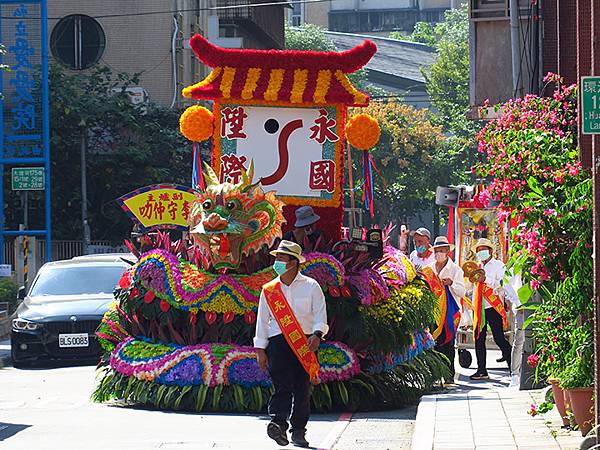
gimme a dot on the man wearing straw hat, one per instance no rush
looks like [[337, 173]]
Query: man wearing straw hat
[[291, 321], [494, 314], [452, 278]]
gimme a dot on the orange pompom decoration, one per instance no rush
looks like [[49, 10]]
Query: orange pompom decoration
[[196, 123], [363, 131]]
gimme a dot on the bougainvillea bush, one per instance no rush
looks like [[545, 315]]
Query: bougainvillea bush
[[530, 155]]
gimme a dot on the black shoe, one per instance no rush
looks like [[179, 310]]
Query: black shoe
[[499, 360], [299, 439], [275, 432], [480, 376]]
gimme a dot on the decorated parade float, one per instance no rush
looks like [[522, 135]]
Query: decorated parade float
[[179, 334]]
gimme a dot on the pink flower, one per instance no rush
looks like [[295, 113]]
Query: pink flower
[[533, 410], [533, 360], [535, 285]]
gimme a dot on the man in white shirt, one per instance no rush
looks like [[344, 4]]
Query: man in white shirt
[[422, 255], [451, 276], [494, 274], [291, 399]]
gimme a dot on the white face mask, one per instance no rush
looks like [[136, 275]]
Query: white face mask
[[483, 255], [441, 257]]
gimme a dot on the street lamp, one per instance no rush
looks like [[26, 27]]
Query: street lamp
[[84, 212]]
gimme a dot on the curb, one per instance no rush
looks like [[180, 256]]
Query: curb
[[425, 424]]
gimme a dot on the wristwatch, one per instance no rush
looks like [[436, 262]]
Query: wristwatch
[[318, 334]]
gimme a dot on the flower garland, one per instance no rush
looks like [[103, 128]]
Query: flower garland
[[324, 268], [216, 364], [363, 131], [378, 363], [196, 123], [397, 270]]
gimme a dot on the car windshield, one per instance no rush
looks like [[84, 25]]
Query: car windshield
[[77, 280]]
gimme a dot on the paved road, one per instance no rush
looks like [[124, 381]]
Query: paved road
[[50, 409]]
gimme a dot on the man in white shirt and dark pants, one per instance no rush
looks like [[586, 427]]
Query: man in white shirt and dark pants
[[494, 274], [291, 399], [451, 276]]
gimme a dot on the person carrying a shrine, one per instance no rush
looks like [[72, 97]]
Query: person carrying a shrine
[[452, 279], [291, 321], [422, 255], [304, 227], [488, 307]]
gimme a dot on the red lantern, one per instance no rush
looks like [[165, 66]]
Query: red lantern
[[164, 306], [334, 291], [346, 292], [134, 293], [228, 317], [250, 317], [193, 319], [125, 280], [211, 317], [149, 297]]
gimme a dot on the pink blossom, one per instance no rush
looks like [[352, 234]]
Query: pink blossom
[[533, 360], [535, 284]]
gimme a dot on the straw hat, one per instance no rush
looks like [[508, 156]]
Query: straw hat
[[289, 248], [442, 241], [483, 242]]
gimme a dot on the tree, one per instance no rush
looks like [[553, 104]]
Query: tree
[[127, 147]]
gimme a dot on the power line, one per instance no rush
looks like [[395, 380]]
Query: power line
[[176, 11]]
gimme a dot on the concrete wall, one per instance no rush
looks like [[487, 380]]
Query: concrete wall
[[317, 13], [346, 5]]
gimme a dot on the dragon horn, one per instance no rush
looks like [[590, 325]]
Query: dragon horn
[[247, 176], [213, 180]]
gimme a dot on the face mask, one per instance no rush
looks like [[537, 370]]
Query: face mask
[[441, 257], [421, 249], [280, 267], [483, 255]]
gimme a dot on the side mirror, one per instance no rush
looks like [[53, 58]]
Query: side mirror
[[21, 293]]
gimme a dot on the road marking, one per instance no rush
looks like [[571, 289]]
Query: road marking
[[336, 432]]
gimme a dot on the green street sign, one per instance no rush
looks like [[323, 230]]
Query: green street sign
[[28, 179], [590, 105]]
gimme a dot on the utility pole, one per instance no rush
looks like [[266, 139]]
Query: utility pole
[[515, 49], [84, 212]]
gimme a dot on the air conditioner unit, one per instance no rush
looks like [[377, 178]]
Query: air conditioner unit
[[137, 94]]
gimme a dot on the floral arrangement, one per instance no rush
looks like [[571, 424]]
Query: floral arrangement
[[196, 123], [363, 131], [531, 156], [378, 363], [214, 364]]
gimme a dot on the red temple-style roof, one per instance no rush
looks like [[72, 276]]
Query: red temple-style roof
[[303, 77]]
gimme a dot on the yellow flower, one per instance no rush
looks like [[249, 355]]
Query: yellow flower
[[196, 123]]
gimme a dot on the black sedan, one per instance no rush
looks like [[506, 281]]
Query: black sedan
[[58, 318]]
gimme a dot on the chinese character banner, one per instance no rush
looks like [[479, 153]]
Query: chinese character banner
[[22, 106], [159, 206], [297, 152]]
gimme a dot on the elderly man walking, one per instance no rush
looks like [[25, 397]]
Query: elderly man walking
[[291, 321]]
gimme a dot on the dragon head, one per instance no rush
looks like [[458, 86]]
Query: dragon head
[[229, 221]]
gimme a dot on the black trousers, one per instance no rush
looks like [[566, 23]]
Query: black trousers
[[291, 399], [494, 319], [446, 349]]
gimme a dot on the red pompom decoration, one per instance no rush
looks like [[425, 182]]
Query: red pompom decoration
[[164, 306], [193, 319], [125, 280], [334, 291], [149, 297], [346, 292], [250, 317], [134, 293]]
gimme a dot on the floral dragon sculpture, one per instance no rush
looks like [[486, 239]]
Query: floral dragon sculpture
[[179, 333]]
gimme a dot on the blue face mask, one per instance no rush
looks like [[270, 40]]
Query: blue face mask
[[280, 267], [483, 255], [421, 249]]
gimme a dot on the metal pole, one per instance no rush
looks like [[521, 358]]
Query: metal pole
[[84, 211], [596, 254], [515, 48], [351, 183], [25, 195]]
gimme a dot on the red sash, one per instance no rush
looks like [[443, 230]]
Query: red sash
[[291, 329], [484, 292], [436, 285]]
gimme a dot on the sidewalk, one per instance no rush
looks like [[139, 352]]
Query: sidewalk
[[488, 415]]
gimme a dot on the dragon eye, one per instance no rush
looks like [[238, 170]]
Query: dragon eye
[[207, 204], [230, 205]]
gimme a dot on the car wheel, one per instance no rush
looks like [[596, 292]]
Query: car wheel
[[464, 358]]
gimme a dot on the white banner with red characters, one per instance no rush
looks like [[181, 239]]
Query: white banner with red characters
[[297, 152]]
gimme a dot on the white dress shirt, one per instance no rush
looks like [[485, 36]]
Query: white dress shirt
[[455, 273], [417, 261], [494, 274], [306, 299]]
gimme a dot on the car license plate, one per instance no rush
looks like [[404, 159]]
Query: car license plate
[[73, 340]]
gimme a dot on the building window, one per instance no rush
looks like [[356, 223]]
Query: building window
[[77, 41]]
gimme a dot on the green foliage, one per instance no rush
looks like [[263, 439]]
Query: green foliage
[[424, 33], [128, 147], [8, 293]]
